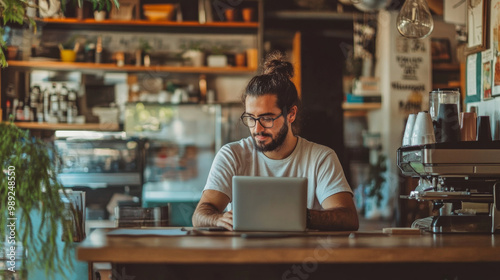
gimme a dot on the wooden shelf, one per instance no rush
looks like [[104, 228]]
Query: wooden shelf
[[442, 86], [313, 15], [77, 66], [361, 106], [446, 67], [153, 23], [68, 126]]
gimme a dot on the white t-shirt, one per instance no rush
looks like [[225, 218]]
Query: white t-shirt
[[318, 163]]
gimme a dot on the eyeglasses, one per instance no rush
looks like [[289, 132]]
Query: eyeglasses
[[266, 122]]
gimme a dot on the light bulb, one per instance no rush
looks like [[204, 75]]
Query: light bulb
[[415, 20]]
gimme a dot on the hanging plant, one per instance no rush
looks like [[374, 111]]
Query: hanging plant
[[29, 189], [376, 178], [14, 11]]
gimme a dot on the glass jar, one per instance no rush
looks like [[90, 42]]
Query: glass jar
[[443, 96]]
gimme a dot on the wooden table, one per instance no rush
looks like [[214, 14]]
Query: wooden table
[[316, 255]]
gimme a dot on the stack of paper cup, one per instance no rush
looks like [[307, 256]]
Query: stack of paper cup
[[468, 126], [423, 131]]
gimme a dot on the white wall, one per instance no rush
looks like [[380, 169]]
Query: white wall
[[394, 68]]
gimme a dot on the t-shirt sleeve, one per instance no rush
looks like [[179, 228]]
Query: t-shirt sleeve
[[331, 179], [222, 171]]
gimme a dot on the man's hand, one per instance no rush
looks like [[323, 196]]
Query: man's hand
[[209, 212], [339, 214], [226, 220]]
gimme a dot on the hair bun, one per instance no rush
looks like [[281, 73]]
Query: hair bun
[[276, 64]]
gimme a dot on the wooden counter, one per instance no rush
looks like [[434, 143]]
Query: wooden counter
[[364, 247], [325, 248]]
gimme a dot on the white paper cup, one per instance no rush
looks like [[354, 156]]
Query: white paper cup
[[409, 129], [423, 131]]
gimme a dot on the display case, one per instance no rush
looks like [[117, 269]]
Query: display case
[[182, 142], [100, 162], [106, 165]]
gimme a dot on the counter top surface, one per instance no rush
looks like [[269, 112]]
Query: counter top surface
[[326, 247]]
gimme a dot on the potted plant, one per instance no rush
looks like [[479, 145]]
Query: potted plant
[[218, 57], [376, 190], [100, 7], [194, 53], [15, 11], [143, 54], [69, 49], [30, 195]]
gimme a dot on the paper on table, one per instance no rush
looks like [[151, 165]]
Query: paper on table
[[148, 232]]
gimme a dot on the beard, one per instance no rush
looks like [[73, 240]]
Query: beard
[[276, 142]]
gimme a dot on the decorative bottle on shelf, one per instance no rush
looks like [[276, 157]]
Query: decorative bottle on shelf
[[8, 110], [27, 110], [20, 112], [35, 102], [203, 89], [90, 53], [98, 50], [63, 104], [53, 105], [46, 104], [40, 106], [72, 109]]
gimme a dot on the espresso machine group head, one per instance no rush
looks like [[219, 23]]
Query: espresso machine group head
[[462, 179]]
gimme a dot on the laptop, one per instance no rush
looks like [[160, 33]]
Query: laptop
[[269, 203]]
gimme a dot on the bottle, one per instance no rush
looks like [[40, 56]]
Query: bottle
[[134, 93], [69, 118], [34, 102], [62, 114], [46, 104], [90, 55], [54, 104], [193, 94], [72, 108], [98, 50], [20, 112], [40, 107], [203, 89], [8, 110], [27, 110], [210, 96], [71, 97]]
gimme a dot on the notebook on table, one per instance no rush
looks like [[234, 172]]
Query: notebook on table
[[269, 203]]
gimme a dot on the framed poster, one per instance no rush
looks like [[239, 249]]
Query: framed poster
[[477, 26], [440, 50], [495, 45], [487, 80], [473, 78]]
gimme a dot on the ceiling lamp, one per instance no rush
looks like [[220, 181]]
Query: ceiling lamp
[[415, 20]]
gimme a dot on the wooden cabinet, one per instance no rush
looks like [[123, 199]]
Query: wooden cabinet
[[445, 75]]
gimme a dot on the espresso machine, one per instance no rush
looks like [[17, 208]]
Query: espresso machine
[[101, 164], [461, 179]]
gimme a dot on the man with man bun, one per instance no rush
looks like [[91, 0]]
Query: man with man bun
[[274, 150]]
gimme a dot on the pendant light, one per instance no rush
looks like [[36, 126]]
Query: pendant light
[[415, 20]]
